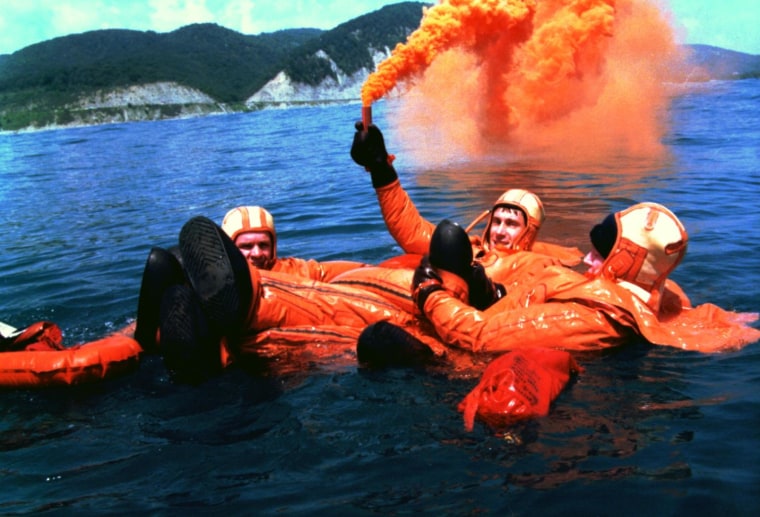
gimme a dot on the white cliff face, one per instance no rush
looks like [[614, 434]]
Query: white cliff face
[[149, 94], [282, 89], [171, 100], [155, 101]]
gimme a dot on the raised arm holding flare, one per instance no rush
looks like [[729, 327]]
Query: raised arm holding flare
[[513, 222]]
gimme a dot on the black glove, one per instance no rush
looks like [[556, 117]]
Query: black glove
[[368, 150], [424, 282], [484, 292]]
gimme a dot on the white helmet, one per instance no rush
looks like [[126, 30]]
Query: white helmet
[[245, 219], [650, 243], [531, 206]]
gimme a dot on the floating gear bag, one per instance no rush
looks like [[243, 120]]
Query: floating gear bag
[[517, 386]]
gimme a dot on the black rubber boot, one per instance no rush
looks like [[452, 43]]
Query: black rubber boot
[[451, 250], [384, 344], [162, 270], [218, 273], [189, 347]]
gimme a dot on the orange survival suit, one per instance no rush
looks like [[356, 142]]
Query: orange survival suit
[[561, 308], [288, 310], [163, 268]]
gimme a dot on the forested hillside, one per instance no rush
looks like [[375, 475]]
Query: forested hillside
[[224, 64], [217, 69]]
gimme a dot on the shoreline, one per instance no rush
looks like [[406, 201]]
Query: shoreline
[[150, 113]]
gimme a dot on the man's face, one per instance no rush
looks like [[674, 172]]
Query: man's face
[[256, 248], [507, 224]]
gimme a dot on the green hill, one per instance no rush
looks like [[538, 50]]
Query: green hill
[[224, 64], [350, 44]]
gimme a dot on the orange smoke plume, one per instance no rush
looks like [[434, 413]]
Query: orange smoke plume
[[563, 83], [451, 23]]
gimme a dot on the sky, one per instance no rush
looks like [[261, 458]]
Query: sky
[[731, 24]]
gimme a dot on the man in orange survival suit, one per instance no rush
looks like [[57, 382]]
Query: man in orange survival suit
[[513, 224], [625, 293], [252, 230], [227, 300]]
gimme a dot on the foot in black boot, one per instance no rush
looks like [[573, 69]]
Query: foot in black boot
[[451, 250], [384, 344], [190, 349], [218, 273], [162, 270]]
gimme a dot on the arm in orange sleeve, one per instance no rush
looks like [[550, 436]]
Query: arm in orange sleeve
[[673, 298], [564, 325], [568, 256], [313, 270], [410, 230], [334, 268]]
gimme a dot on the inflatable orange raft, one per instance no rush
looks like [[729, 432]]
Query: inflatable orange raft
[[36, 357]]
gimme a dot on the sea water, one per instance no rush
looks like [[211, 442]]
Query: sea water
[[644, 430]]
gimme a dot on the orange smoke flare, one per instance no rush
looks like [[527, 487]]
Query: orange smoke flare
[[451, 23], [561, 81]]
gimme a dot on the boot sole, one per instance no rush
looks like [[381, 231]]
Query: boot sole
[[210, 272]]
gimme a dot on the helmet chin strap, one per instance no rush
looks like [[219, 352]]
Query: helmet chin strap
[[477, 220]]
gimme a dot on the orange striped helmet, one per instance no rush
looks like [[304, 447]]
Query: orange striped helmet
[[244, 219]]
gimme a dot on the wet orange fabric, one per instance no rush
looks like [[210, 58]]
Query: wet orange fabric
[[560, 308], [392, 284], [322, 271], [517, 386], [290, 301], [97, 360], [290, 310], [42, 335], [704, 328], [407, 227], [299, 349]]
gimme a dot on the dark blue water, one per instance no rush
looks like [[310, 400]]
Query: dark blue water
[[644, 429]]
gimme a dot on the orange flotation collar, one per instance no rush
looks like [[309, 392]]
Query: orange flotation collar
[[38, 358]]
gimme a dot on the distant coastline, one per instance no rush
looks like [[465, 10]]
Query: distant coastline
[[115, 76]]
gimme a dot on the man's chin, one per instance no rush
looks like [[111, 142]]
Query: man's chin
[[501, 246]]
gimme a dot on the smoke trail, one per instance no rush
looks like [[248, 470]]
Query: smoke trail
[[472, 24], [560, 83]]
